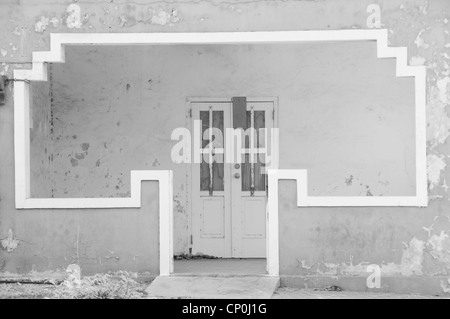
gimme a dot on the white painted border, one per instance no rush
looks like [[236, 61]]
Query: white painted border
[[38, 72]]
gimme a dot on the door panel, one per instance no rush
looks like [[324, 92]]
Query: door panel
[[229, 199], [252, 224], [249, 192], [211, 190], [213, 217]]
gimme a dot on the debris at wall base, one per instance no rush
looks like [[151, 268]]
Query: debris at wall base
[[74, 276]]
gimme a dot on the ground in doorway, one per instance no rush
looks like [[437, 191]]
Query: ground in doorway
[[222, 266]]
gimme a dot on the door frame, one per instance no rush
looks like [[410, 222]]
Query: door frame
[[189, 169]]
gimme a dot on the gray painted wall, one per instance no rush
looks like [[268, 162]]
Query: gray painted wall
[[343, 115]]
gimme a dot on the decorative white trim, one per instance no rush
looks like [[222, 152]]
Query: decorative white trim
[[38, 72], [303, 200], [161, 176]]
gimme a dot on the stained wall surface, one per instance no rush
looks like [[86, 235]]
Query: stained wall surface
[[348, 120]]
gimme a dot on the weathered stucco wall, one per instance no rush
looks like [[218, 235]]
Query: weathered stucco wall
[[343, 115], [417, 24], [336, 246]]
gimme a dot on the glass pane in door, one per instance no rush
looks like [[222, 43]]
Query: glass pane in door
[[259, 180], [216, 167]]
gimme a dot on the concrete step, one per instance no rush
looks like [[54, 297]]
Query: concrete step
[[214, 287]]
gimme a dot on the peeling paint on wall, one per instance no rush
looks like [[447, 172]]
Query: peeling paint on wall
[[438, 129], [162, 17], [73, 16], [5, 68], [442, 85], [446, 286], [303, 264], [44, 23], [440, 247], [419, 42], [9, 243], [435, 166], [410, 263], [417, 60]]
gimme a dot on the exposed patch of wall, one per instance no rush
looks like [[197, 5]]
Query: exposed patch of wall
[[9, 243], [436, 165], [410, 263], [73, 16], [45, 22], [162, 17]]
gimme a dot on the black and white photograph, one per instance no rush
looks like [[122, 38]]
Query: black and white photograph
[[222, 158]]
